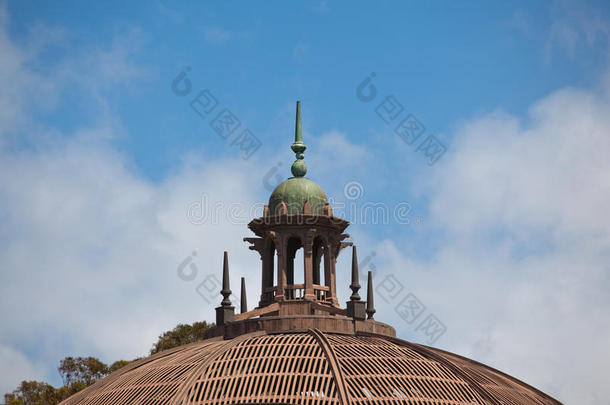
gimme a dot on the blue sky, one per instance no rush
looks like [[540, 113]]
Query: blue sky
[[100, 162], [444, 61]]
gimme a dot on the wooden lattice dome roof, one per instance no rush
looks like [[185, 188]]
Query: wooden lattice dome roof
[[307, 367], [299, 346]]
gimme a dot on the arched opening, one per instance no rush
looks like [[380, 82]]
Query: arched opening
[[317, 255], [294, 253], [270, 259], [320, 274]]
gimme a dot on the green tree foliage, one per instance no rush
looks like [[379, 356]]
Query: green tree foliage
[[118, 364], [32, 393], [78, 373], [40, 393], [181, 335], [86, 370]]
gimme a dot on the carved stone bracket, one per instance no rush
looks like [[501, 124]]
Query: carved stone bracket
[[257, 244]]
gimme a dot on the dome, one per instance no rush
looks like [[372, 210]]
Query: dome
[[307, 367], [294, 192], [299, 345], [298, 190]]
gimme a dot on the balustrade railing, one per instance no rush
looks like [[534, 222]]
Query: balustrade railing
[[295, 292], [321, 292]]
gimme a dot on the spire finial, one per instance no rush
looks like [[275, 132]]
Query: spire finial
[[226, 290], [355, 286], [244, 304], [298, 129], [298, 169], [225, 312], [370, 302], [355, 306]]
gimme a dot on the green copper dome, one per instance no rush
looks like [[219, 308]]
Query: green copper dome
[[297, 190], [294, 192]]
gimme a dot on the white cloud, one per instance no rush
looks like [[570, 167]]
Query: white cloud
[[89, 249], [94, 248], [345, 155], [522, 275], [22, 89], [216, 35], [574, 26], [16, 367], [219, 36]]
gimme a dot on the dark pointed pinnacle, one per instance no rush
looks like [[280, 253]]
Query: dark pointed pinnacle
[[370, 302], [226, 290], [244, 303], [355, 285]]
